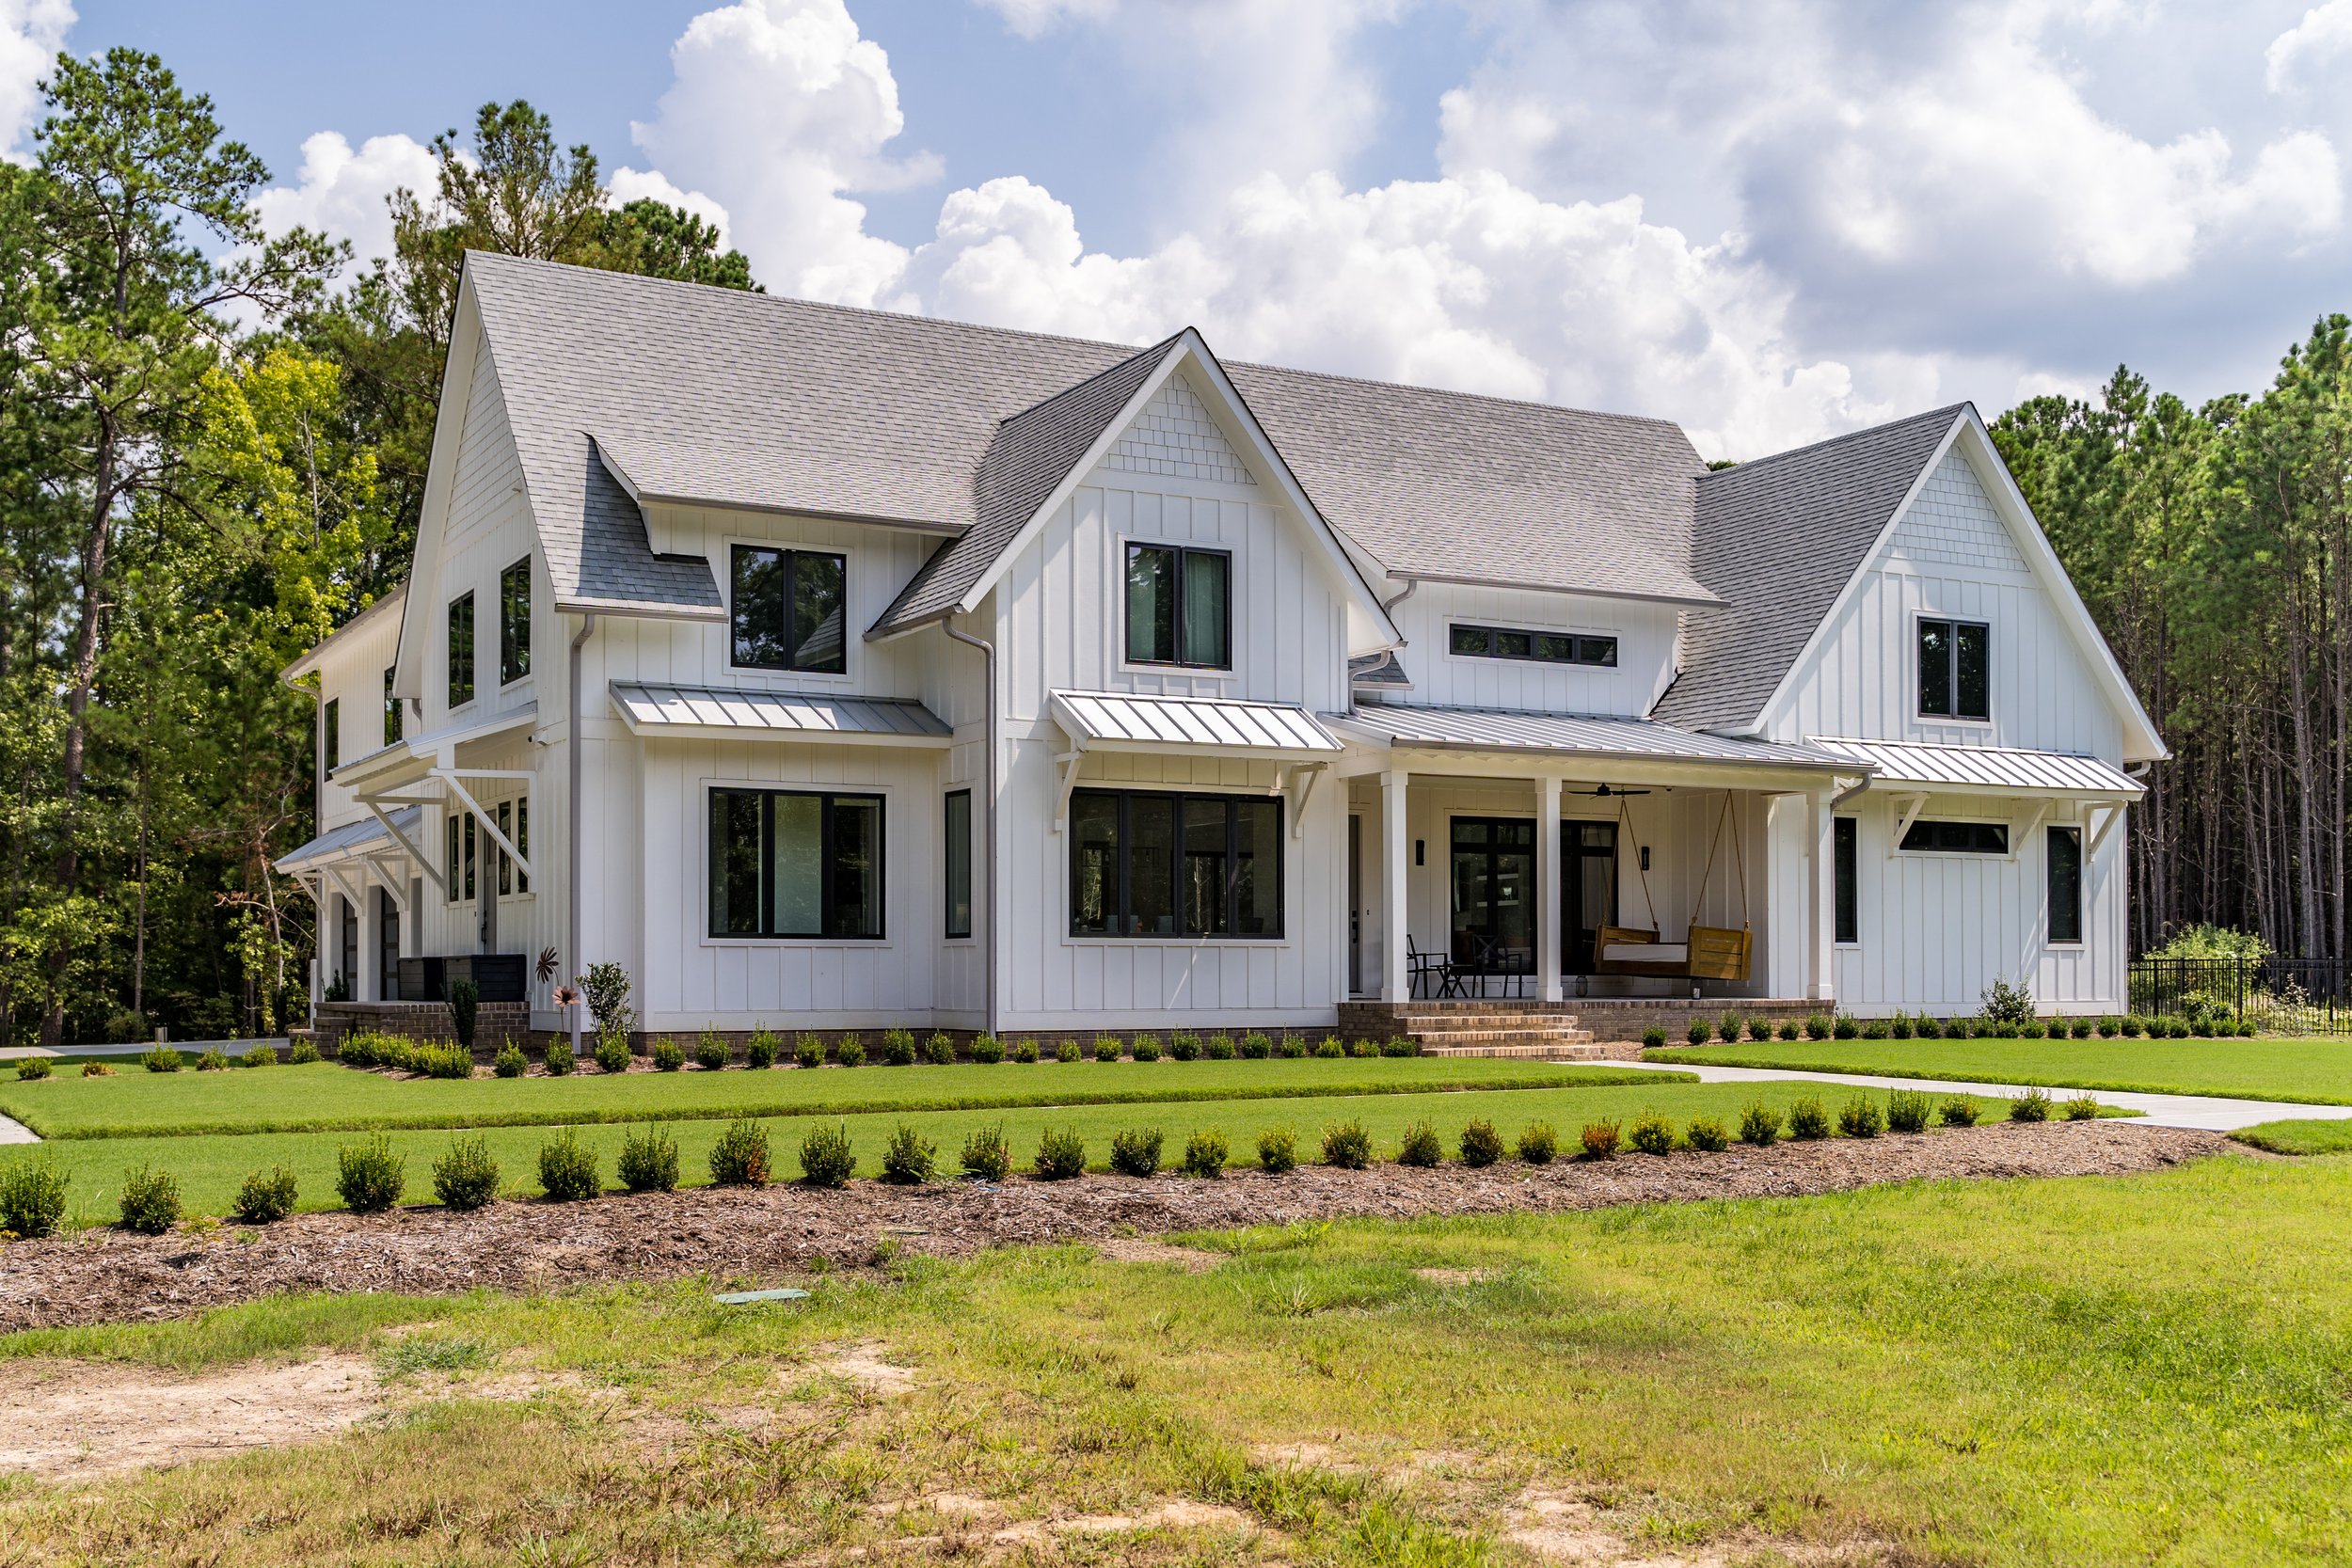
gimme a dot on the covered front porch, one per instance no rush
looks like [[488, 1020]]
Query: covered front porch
[[1542, 859]]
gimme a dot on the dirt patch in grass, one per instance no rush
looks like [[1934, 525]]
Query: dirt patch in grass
[[70, 1421], [1565, 1528], [863, 1365], [784, 1231], [1143, 1250]]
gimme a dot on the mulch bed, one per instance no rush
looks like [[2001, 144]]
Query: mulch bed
[[780, 1231]]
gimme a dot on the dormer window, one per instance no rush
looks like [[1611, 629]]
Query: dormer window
[[789, 610], [1180, 606], [1955, 670]]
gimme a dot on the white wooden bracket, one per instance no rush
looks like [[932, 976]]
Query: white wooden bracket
[[2019, 835], [1907, 810], [452, 777], [390, 884], [375, 806], [1302, 789], [2099, 835], [348, 888], [1068, 762]]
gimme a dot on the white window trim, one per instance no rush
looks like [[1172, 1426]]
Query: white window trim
[[1290, 937], [1911, 665], [891, 937], [853, 654]]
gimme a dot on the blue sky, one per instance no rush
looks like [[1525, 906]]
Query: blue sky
[[1767, 221]]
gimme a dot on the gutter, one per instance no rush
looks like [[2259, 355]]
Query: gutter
[[572, 826], [987, 653]]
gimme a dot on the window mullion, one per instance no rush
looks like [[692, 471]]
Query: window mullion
[[1126, 876], [767, 864], [1232, 869], [1182, 650]]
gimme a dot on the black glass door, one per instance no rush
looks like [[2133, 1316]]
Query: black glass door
[[1493, 874], [1588, 869]]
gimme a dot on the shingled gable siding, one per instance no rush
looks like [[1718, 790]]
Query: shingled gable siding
[[1175, 435]]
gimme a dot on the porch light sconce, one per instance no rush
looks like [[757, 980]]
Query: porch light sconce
[[1645, 856], [1420, 851]]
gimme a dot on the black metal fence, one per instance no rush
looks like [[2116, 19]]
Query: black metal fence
[[2293, 996]]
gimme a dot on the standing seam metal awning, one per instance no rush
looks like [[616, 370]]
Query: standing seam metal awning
[[1454, 728], [776, 715], [351, 839], [1120, 719], [1986, 769]]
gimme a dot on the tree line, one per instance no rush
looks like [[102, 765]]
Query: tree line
[[213, 451]]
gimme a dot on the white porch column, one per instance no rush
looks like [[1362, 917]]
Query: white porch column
[[1820, 901], [1395, 980], [1554, 892]]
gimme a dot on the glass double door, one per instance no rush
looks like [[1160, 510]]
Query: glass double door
[[1495, 887]]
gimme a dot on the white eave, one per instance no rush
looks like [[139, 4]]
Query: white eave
[[687, 712], [1122, 721], [2005, 771]]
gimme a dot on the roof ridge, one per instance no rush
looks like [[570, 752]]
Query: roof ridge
[[1042, 404], [1949, 411], [1451, 393]]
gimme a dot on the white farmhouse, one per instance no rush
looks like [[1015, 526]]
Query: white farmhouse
[[832, 670]]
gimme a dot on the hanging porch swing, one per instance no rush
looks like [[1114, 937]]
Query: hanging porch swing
[[1706, 952]]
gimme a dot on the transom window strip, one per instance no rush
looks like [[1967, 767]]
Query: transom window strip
[[1958, 838], [1147, 864], [1540, 647]]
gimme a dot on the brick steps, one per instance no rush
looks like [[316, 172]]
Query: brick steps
[[1536, 1050]]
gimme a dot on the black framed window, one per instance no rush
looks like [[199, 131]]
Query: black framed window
[[514, 819], [349, 971], [1845, 842], [1955, 670], [1180, 606], [1144, 865], [391, 711], [386, 947], [957, 868], [786, 863], [461, 650], [1958, 838], [1541, 647], [514, 621], [331, 734], [461, 851], [789, 610], [2066, 885]]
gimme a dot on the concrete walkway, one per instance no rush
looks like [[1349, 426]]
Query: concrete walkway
[[12, 1132], [2164, 1110], [138, 1048]]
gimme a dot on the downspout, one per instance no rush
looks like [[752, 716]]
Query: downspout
[[572, 824], [1413, 586], [987, 653]]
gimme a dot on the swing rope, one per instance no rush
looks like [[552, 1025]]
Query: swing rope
[[1625, 820], [1738, 860]]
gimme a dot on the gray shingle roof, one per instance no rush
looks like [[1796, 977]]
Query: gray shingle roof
[[751, 400], [1779, 538], [1032, 452]]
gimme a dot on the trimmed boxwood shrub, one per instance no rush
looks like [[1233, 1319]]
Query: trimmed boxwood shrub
[[1135, 1151], [668, 1055], [1538, 1144], [1024, 1051], [908, 1159], [1205, 1153], [1958, 1109], [1818, 1026], [1329, 1049], [1600, 1139], [441, 1061], [760, 1049], [987, 1156], [1789, 1030], [303, 1052], [1400, 1046], [1907, 1111], [1290, 1048], [1759, 1028], [1146, 1048], [897, 1048], [466, 1177], [510, 1062], [2079, 1028], [1899, 1027], [2033, 1105], [1845, 1027], [1759, 1125], [1706, 1134], [214, 1060], [150, 1203], [1256, 1046], [558, 1057], [826, 1156], [739, 1157], [265, 1197], [260, 1053], [160, 1059], [1220, 1048], [1700, 1031], [32, 1195], [1105, 1048], [1480, 1144], [1062, 1155], [1653, 1038], [2081, 1107], [2030, 1031], [710, 1052], [1068, 1050], [1808, 1118], [988, 1050], [1652, 1133], [808, 1051], [612, 1052], [1347, 1145], [567, 1168], [648, 1162], [1364, 1048], [940, 1049], [99, 1070], [1420, 1146], [1277, 1150], [32, 1068], [1183, 1046], [1729, 1027], [1874, 1030], [849, 1050], [1859, 1118], [370, 1177]]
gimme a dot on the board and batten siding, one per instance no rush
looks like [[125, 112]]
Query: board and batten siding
[[1059, 615], [1441, 678]]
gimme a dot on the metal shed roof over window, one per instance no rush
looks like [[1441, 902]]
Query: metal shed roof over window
[[1983, 769], [692, 711], [352, 838], [1126, 722]]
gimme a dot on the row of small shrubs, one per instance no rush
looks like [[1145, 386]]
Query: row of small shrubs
[[1734, 1027]]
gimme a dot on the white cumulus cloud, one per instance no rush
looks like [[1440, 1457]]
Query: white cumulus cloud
[[342, 193], [31, 33], [2324, 32], [630, 184]]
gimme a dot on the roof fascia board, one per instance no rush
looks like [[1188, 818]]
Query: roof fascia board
[[1819, 636], [1682, 601], [620, 611], [467, 345], [1993, 473], [1189, 350], [311, 660], [1355, 726]]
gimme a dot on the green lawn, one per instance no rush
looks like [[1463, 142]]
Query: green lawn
[[210, 1167], [2145, 1369], [2298, 1136], [2314, 1071], [324, 1096]]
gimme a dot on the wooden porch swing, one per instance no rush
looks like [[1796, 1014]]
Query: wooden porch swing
[[1706, 952]]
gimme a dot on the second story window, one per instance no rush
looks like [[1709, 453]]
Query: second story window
[[1955, 670], [461, 650], [1180, 606], [789, 610], [391, 711], [514, 621], [331, 734], [1543, 647]]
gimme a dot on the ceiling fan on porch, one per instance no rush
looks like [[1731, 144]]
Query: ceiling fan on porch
[[1605, 792]]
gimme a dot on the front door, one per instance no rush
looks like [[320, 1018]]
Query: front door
[[1493, 872], [1588, 869]]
